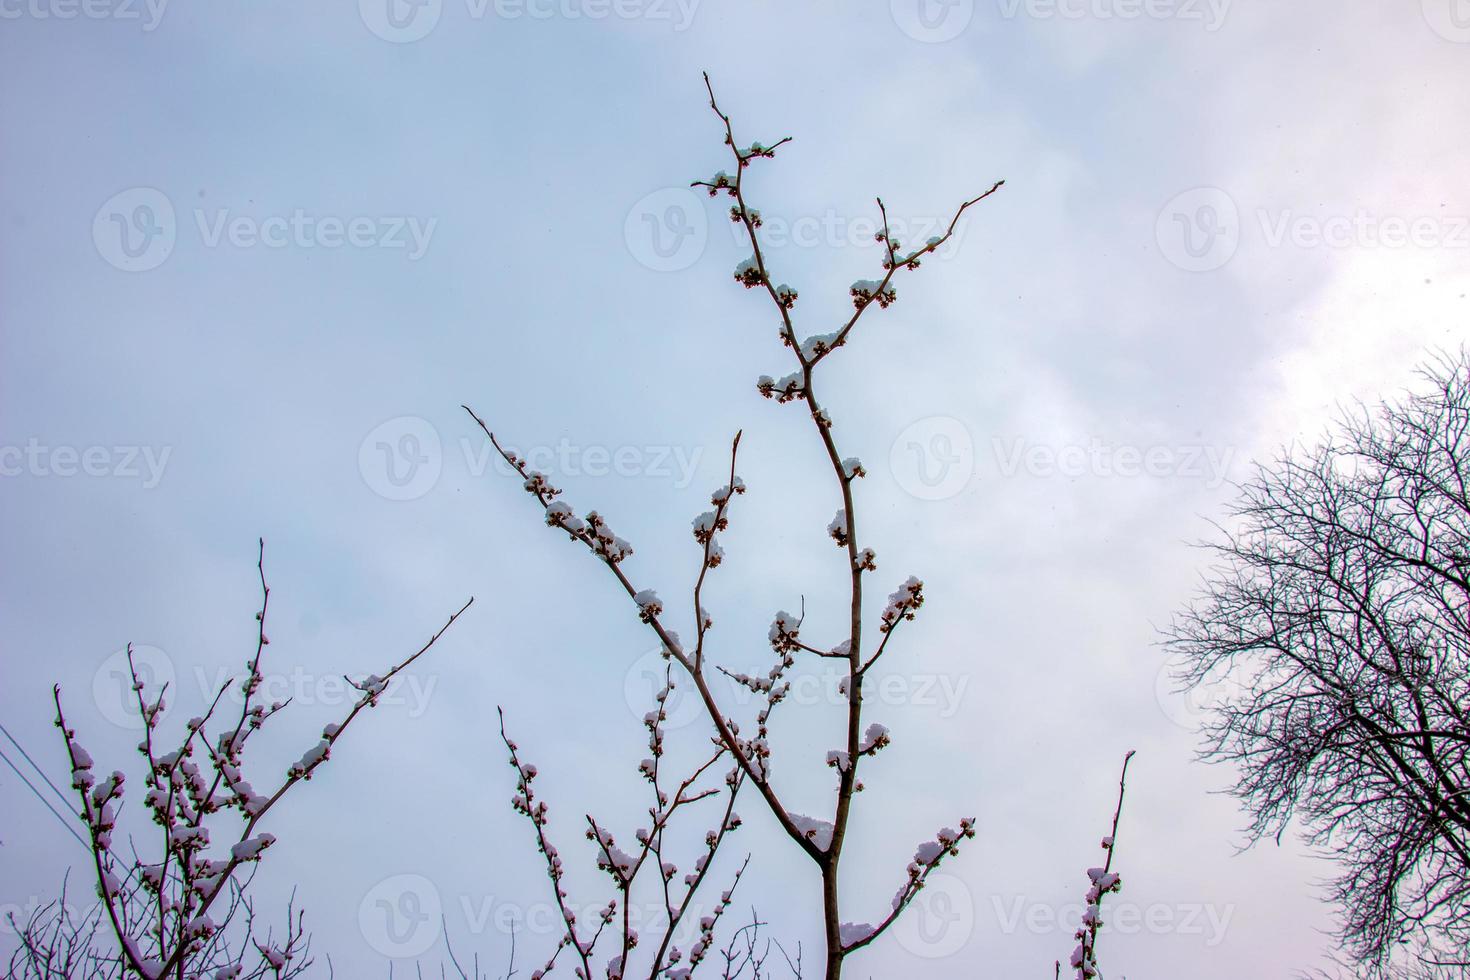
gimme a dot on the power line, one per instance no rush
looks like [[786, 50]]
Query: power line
[[65, 802], [44, 802]]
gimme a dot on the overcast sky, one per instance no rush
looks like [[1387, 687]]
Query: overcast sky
[[255, 255]]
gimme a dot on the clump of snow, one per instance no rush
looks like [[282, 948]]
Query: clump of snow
[[649, 605], [250, 848], [785, 629], [785, 390], [865, 291], [312, 758], [902, 603], [819, 832], [874, 739], [748, 273], [820, 344], [837, 530]]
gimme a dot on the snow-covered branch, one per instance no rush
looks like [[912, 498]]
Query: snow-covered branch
[[170, 914], [1102, 882], [821, 838], [668, 961]]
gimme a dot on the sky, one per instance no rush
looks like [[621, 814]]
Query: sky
[[256, 256]]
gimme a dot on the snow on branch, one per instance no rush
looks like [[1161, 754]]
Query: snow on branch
[[821, 838], [1102, 882], [171, 913], [625, 866]]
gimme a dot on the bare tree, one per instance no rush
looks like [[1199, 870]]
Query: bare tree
[[182, 912], [1339, 618], [821, 839]]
